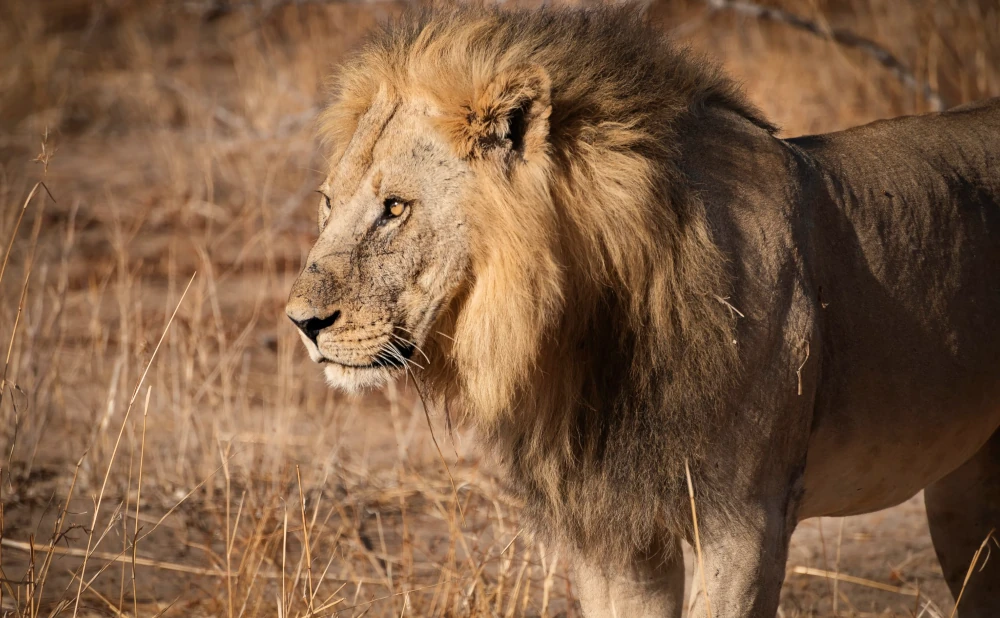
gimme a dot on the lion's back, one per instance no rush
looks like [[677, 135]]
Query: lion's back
[[949, 157], [915, 202]]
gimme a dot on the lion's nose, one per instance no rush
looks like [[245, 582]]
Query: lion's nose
[[313, 326]]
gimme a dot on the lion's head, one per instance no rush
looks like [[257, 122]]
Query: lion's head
[[502, 204], [411, 212], [393, 248], [435, 212]]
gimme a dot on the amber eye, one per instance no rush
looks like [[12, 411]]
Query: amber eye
[[394, 207]]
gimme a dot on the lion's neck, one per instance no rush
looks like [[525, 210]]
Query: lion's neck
[[621, 394]]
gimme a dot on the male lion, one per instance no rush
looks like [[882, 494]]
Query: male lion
[[601, 253]]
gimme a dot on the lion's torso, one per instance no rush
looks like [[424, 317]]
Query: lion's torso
[[911, 383], [867, 263]]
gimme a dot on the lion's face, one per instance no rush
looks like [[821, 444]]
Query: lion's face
[[437, 205], [393, 248]]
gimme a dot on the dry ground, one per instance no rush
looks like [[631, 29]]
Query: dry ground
[[176, 138]]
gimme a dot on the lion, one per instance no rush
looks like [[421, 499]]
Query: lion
[[593, 245]]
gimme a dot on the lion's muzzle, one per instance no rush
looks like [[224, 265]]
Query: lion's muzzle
[[308, 304], [310, 308], [312, 326]]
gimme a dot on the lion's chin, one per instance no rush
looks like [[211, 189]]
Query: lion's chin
[[356, 379]]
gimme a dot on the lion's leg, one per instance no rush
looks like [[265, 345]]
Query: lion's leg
[[650, 587], [962, 508], [744, 565]]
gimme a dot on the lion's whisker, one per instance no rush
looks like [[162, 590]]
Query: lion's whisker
[[430, 428], [410, 361], [410, 333], [396, 354], [411, 343], [447, 336]]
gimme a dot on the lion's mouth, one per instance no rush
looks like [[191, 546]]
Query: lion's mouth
[[395, 355]]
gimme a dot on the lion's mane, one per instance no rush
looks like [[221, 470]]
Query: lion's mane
[[591, 346]]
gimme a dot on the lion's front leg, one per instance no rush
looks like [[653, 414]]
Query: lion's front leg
[[744, 565], [650, 587]]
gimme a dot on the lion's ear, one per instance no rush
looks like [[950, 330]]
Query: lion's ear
[[509, 117]]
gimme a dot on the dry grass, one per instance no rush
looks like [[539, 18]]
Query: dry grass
[[221, 478]]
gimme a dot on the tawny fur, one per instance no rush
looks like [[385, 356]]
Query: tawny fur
[[587, 242], [605, 259]]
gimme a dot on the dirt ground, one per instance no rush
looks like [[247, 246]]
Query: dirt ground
[[167, 447]]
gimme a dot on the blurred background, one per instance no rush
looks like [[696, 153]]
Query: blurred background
[[167, 447]]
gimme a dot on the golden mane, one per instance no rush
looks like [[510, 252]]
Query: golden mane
[[596, 292]]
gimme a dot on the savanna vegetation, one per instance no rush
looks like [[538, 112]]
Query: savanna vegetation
[[168, 448]]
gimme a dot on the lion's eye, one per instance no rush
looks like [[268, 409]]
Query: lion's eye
[[394, 207], [326, 200]]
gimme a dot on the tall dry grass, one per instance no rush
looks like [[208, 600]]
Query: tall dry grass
[[167, 449]]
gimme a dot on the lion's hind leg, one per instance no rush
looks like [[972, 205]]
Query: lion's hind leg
[[650, 587], [962, 509]]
